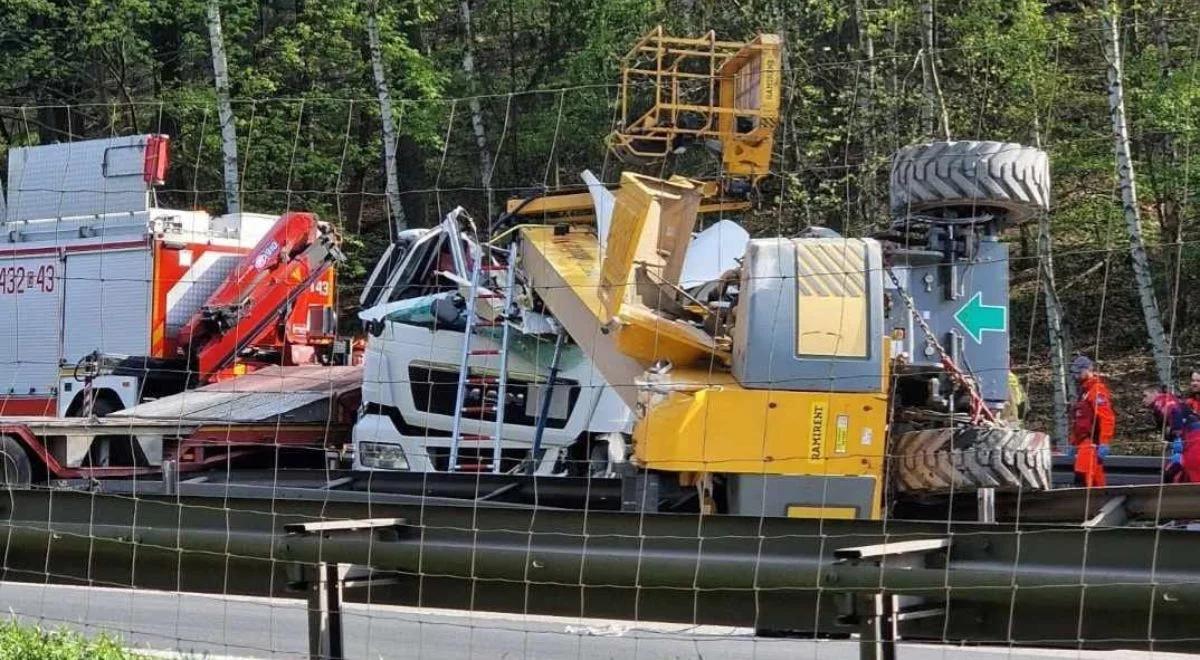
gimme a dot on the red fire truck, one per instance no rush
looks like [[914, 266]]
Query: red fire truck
[[133, 337], [107, 298]]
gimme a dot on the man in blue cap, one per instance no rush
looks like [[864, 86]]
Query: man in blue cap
[[1093, 423]]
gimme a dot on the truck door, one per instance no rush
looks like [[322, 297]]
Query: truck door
[[31, 294], [107, 303]]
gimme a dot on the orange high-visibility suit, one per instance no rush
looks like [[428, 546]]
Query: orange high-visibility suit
[[1093, 423]]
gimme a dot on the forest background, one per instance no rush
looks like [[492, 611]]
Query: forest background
[[545, 74]]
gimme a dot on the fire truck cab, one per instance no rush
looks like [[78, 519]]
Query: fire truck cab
[[91, 265]]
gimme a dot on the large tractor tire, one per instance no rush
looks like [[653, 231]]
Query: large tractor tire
[[956, 460], [980, 177]]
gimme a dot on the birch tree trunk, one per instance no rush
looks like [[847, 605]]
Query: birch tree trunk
[[1057, 338], [866, 101], [935, 104], [468, 66], [1060, 343], [229, 155], [1133, 221], [385, 115]]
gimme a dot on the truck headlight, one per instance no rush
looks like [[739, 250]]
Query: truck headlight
[[382, 456]]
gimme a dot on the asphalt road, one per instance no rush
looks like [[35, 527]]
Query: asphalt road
[[234, 627]]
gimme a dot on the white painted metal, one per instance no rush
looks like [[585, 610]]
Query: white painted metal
[[102, 231], [371, 290], [78, 178], [107, 299], [201, 280], [712, 252], [453, 229], [30, 318], [610, 414], [69, 389], [249, 227], [603, 203]]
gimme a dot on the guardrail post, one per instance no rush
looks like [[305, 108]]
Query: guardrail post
[[170, 476], [324, 581], [878, 615], [877, 630], [986, 501], [325, 611]]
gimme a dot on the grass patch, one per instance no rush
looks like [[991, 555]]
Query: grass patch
[[25, 642]]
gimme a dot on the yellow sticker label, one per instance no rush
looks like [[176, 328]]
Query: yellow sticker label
[[816, 440], [826, 512], [839, 434]]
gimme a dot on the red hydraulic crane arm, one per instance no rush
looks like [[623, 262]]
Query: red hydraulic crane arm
[[259, 292]]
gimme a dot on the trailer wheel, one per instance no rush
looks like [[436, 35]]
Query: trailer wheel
[[947, 460], [982, 176], [17, 470]]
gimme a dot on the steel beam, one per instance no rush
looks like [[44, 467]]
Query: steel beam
[[381, 487], [1151, 503], [1147, 503]]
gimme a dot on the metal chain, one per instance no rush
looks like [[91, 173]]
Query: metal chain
[[979, 407]]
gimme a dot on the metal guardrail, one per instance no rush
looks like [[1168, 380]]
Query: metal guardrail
[[385, 487], [1150, 504], [559, 492], [1064, 504], [1120, 470], [998, 583]]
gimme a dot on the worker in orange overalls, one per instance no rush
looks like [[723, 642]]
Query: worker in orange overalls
[[1193, 395], [1092, 424]]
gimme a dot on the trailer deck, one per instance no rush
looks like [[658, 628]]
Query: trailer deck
[[301, 394], [301, 411]]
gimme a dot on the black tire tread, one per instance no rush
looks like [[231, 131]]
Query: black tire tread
[[949, 460], [1004, 175]]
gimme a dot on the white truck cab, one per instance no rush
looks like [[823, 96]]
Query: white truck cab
[[411, 367]]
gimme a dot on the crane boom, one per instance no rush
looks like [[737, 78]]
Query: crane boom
[[252, 303]]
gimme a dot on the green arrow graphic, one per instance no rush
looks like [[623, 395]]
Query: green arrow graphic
[[977, 318]]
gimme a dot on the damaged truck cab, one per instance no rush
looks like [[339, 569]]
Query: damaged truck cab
[[412, 312]]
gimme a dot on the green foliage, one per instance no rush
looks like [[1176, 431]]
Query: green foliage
[[1031, 71], [23, 642]]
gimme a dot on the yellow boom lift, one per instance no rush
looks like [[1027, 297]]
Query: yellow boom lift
[[822, 373]]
